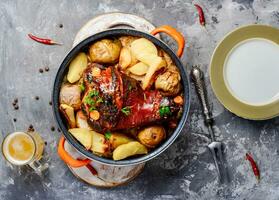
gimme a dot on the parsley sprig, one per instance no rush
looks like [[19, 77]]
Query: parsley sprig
[[126, 110], [164, 111], [108, 135]]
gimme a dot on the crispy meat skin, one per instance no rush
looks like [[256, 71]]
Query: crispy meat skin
[[120, 93]]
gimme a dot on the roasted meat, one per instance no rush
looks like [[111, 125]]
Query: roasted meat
[[121, 101]]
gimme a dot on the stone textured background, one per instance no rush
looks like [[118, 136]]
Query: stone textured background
[[185, 170]]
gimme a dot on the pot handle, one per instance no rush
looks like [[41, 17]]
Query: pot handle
[[174, 34], [69, 160]]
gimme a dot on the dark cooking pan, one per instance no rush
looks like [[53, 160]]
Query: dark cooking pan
[[64, 69]]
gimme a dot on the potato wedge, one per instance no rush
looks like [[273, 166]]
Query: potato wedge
[[130, 149], [70, 95], [99, 144], [143, 45], [139, 69], [83, 135], [125, 58], [81, 120], [69, 114], [117, 139], [154, 66], [152, 136], [76, 67]]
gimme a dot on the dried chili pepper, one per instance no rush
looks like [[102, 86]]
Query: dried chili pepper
[[201, 14], [253, 165], [43, 40]]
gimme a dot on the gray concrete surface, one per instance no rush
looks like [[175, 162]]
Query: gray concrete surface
[[185, 170]]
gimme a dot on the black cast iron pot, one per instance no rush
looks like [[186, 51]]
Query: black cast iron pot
[[64, 69]]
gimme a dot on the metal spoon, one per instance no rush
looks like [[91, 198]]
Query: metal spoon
[[215, 147]]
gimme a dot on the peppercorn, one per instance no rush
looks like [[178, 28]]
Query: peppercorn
[[46, 69], [15, 100], [50, 103], [52, 128], [60, 25], [37, 98], [14, 119], [41, 70], [16, 107]]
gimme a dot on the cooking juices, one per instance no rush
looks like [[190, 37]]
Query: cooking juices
[[20, 148]]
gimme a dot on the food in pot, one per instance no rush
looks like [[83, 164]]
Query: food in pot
[[81, 120], [152, 136], [121, 104], [169, 82], [71, 96], [83, 135], [129, 149], [69, 114], [105, 51], [76, 67]]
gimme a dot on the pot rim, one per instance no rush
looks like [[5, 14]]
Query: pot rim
[[64, 68]]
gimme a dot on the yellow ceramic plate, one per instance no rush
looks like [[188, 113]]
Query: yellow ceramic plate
[[231, 90]]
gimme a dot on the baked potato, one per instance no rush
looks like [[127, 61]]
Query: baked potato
[[70, 95], [105, 51], [130, 149], [76, 67], [69, 114], [169, 82], [83, 135], [152, 136]]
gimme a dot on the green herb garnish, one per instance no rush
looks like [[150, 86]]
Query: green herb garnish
[[99, 100], [92, 108], [164, 111], [126, 110], [107, 135], [88, 100], [82, 87], [130, 87], [93, 93]]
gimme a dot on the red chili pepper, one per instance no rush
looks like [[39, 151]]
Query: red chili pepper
[[253, 165], [43, 40], [201, 14]]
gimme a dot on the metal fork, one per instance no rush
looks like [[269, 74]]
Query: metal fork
[[215, 147]]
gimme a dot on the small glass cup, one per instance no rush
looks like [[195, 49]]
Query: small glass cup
[[24, 148]]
